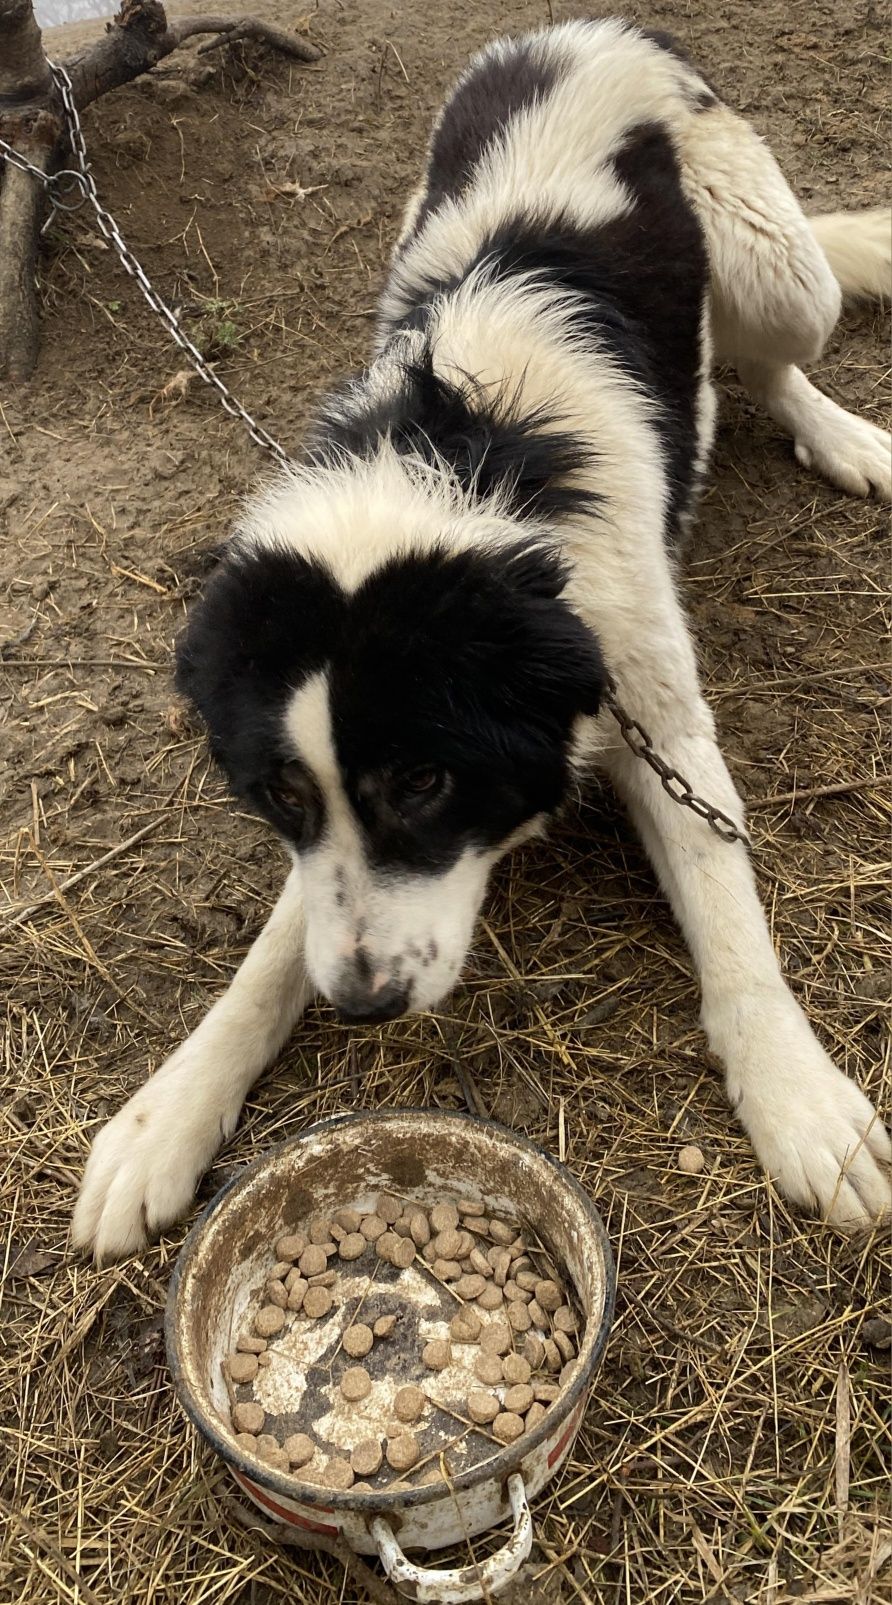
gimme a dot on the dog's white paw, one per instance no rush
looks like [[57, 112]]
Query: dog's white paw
[[849, 451], [145, 1164], [812, 1128]]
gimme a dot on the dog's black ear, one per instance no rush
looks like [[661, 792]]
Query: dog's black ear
[[263, 623], [546, 650]]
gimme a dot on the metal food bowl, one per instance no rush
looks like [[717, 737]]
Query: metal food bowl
[[422, 1157]]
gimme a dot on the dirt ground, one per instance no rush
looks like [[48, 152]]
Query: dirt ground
[[734, 1446]]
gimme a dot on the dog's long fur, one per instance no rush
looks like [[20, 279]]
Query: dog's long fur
[[401, 660]]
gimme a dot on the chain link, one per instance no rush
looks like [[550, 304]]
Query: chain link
[[59, 186], [672, 782]]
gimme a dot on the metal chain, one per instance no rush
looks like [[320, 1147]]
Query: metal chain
[[59, 187], [672, 782]]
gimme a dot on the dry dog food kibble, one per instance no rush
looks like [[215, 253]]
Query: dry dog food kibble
[[242, 1367], [356, 1383], [317, 1302], [299, 1448], [367, 1457], [248, 1417], [402, 1452], [357, 1340], [497, 1343], [409, 1403]]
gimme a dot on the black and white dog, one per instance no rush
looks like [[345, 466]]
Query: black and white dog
[[401, 661]]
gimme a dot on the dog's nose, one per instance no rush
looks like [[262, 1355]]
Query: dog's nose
[[357, 1005]]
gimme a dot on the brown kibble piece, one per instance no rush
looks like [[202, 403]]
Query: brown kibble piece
[[386, 1245], [324, 1279], [465, 1326], [366, 1458], [500, 1260], [516, 1369], [300, 1449], [518, 1399], [479, 1262], [402, 1227], [533, 1351], [293, 1277], [404, 1253], [500, 1233], [409, 1403], [402, 1452], [319, 1230], [470, 1286], [317, 1302], [563, 1319], [313, 1260], [553, 1358], [534, 1415], [444, 1218], [448, 1270], [270, 1450], [357, 1340], [281, 1271], [269, 1320], [292, 1246], [491, 1297], [297, 1293], [507, 1427], [537, 1314], [565, 1344], [546, 1392], [351, 1246], [248, 1417], [372, 1226], [349, 1220], [250, 1345], [337, 1232], [336, 1473], [356, 1383], [265, 1358], [691, 1160], [247, 1442], [496, 1338], [389, 1208], [549, 1295], [465, 1244], [519, 1318], [527, 1280], [488, 1369], [482, 1406], [514, 1294], [384, 1326], [419, 1230], [242, 1367], [471, 1206], [277, 1293], [448, 1244], [436, 1354]]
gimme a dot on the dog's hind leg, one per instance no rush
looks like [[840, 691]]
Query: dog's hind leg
[[145, 1164], [777, 282]]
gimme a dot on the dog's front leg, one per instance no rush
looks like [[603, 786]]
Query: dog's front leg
[[812, 1128], [145, 1164]]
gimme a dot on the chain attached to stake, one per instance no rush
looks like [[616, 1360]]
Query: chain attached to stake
[[68, 190]]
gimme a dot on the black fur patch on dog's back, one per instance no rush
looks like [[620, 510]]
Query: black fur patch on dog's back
[[495, 90], [638, 283], [489, 446]]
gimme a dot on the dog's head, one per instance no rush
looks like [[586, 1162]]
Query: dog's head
[[400, 732]]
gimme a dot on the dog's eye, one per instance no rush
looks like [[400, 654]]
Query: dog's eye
[[287, 793], [421, 783]]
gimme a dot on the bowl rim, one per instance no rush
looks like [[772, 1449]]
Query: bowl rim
[[502, 1464]]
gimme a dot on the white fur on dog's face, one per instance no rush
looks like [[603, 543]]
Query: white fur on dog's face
[[378, 940]]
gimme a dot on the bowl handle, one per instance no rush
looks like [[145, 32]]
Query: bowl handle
[[461, 1583]]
